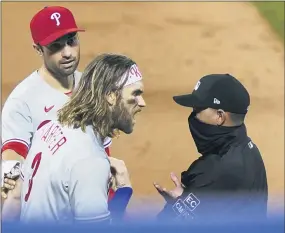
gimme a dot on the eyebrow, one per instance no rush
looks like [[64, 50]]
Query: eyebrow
[[64, 38], [137, 92]]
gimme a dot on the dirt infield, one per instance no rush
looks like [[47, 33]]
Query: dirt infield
[[174, 44]]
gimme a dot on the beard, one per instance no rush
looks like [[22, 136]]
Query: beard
[[59, 72], [122, 119]]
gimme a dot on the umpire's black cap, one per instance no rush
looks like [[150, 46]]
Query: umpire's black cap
[[217, 91]]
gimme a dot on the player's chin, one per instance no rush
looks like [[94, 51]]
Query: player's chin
[[129, 128], [68, 71], [128, 131]]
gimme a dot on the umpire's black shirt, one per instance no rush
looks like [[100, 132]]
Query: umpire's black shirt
[[230, 183]]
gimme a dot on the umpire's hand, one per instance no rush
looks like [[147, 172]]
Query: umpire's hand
[[121, 177], [171, 194]]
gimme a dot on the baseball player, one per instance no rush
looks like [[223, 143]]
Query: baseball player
[[67, 171], [39, 96]]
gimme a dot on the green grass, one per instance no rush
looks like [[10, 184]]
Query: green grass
[[274, 13]]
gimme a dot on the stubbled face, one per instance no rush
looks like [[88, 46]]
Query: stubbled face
[[131, 103], [62, 56]]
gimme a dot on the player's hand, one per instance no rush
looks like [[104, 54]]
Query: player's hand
[[11, 207], [8, 185], [121, 177], [171, 194], [10, 181]]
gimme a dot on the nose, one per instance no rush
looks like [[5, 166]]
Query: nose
[[66, 51], [141, 101]]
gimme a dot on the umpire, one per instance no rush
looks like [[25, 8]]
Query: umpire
[[228, 180]]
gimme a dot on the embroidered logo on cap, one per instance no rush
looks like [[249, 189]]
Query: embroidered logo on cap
[[197, 85], [56, 16]]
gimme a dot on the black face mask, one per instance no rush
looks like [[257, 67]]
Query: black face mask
[[212, 139]]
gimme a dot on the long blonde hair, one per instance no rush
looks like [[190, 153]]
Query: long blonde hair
[[88, 104]]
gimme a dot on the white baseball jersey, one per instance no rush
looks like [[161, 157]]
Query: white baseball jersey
[[67, 176], [30, 103]]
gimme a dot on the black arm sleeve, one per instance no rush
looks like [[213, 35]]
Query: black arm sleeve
[[208, 193]]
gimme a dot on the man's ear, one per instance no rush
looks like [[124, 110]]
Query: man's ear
[[38, 49], [221, 117], [111, 98]]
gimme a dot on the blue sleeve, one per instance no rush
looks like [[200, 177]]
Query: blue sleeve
[[120, 201]]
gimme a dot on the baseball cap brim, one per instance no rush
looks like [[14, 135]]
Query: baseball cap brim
[[51, 38], [188, 100]]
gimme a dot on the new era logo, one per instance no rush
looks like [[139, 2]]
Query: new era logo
[[197, 85], [250, 145], [216, 101]]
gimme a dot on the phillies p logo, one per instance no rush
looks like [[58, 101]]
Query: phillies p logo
[[56, 16]]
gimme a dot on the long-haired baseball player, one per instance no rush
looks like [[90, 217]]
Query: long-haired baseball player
[[67, 171], [39, 96]]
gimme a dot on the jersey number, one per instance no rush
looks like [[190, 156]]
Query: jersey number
[[35, 166]]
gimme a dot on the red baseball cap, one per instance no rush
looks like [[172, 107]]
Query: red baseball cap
[[51, 23]]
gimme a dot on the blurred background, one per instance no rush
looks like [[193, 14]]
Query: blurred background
[[174, 44]]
